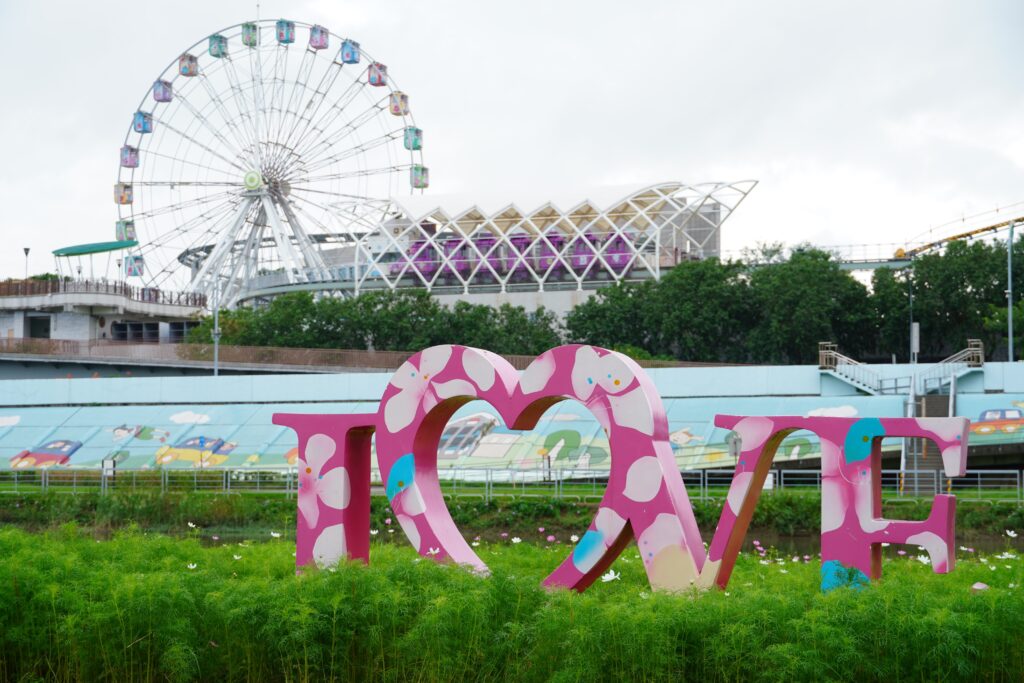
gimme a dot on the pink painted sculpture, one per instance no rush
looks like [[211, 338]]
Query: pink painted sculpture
[[645, 497]]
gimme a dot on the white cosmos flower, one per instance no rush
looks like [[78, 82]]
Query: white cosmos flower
[[516, 539], [192, 565], [433, 551], [475, 543], [274, 534], [374, 532], [612, 575], [192, 525], [574, 538], [924, 559], [1011, 533], [237, 557]]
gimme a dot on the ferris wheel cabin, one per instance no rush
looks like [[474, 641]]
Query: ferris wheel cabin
[[188, 65], [349, 52], [285, 32], [142, 122], [129, 157], [250, 34], [398, 103], [319, 37], [125, 231], [413, 138], [377, 75], [163, 91], [218, 46], [123, 193]]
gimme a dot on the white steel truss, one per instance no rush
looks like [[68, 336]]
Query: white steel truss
[[635, 237]]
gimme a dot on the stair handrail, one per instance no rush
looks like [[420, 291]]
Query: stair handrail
[[939, 373], [829, 358]]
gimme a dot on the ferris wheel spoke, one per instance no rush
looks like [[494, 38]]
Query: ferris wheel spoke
[[290, 113], [360, 173], [277, 85], [229, 120], [313, 152], [337, 108], [258, 101], [187, 183], [182, 205], [208, 125], [186, 162], [354, 151], [241, 101], [368, 223], [298, 84], [164, 124], [208, 217], [333, 71]]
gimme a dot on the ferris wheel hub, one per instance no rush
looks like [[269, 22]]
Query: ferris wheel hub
[[253, 180]]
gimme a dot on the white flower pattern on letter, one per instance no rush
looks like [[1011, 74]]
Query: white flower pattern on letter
[[400, 410]]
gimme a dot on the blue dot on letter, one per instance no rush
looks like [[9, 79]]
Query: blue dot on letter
[[401, 475], [588, 550], [860, 437]]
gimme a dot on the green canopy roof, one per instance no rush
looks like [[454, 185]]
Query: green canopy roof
[[94, 248]]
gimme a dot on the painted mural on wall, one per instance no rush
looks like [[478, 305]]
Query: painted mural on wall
[[645, 496], [567, 436]]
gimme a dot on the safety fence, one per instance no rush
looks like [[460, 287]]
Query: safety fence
[[147, 294], [320, 360], [488, 483]]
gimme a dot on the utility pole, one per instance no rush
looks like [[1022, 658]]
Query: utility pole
[[28, 249], [216, 329], [1009, 288]]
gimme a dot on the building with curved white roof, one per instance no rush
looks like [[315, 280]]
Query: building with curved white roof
[[522, 250]]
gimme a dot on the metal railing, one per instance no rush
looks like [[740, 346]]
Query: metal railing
[[145, 294], [849, 369], [319, 360], [488, 483], [938, 376]]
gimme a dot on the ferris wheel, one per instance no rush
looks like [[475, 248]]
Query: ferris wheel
[[253, 151]]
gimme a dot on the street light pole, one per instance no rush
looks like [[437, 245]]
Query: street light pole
[[27, 249], [216, 330], [1009, 289]]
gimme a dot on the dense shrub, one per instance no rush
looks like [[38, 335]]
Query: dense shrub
[[132, 609]]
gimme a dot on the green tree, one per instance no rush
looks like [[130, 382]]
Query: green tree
[[805, 300], [612, 317], [699, 311], [890, 307], [954, 291]]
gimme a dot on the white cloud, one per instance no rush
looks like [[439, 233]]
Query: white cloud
[[188, 417], [833, 411]]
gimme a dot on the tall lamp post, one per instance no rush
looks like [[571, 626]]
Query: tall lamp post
[[1009, 289], [216, 330], [27, 249]]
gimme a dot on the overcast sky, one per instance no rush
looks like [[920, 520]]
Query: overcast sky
[[864, 121]]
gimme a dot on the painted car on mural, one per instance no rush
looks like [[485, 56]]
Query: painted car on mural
[[56, 452], [999, 420], [200, 451]]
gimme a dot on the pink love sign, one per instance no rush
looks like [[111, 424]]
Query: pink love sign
[[645, 499]]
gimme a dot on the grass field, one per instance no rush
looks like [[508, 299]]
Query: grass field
[[148, 607]]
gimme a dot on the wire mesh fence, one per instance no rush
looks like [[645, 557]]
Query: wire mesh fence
[[488, 483]]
